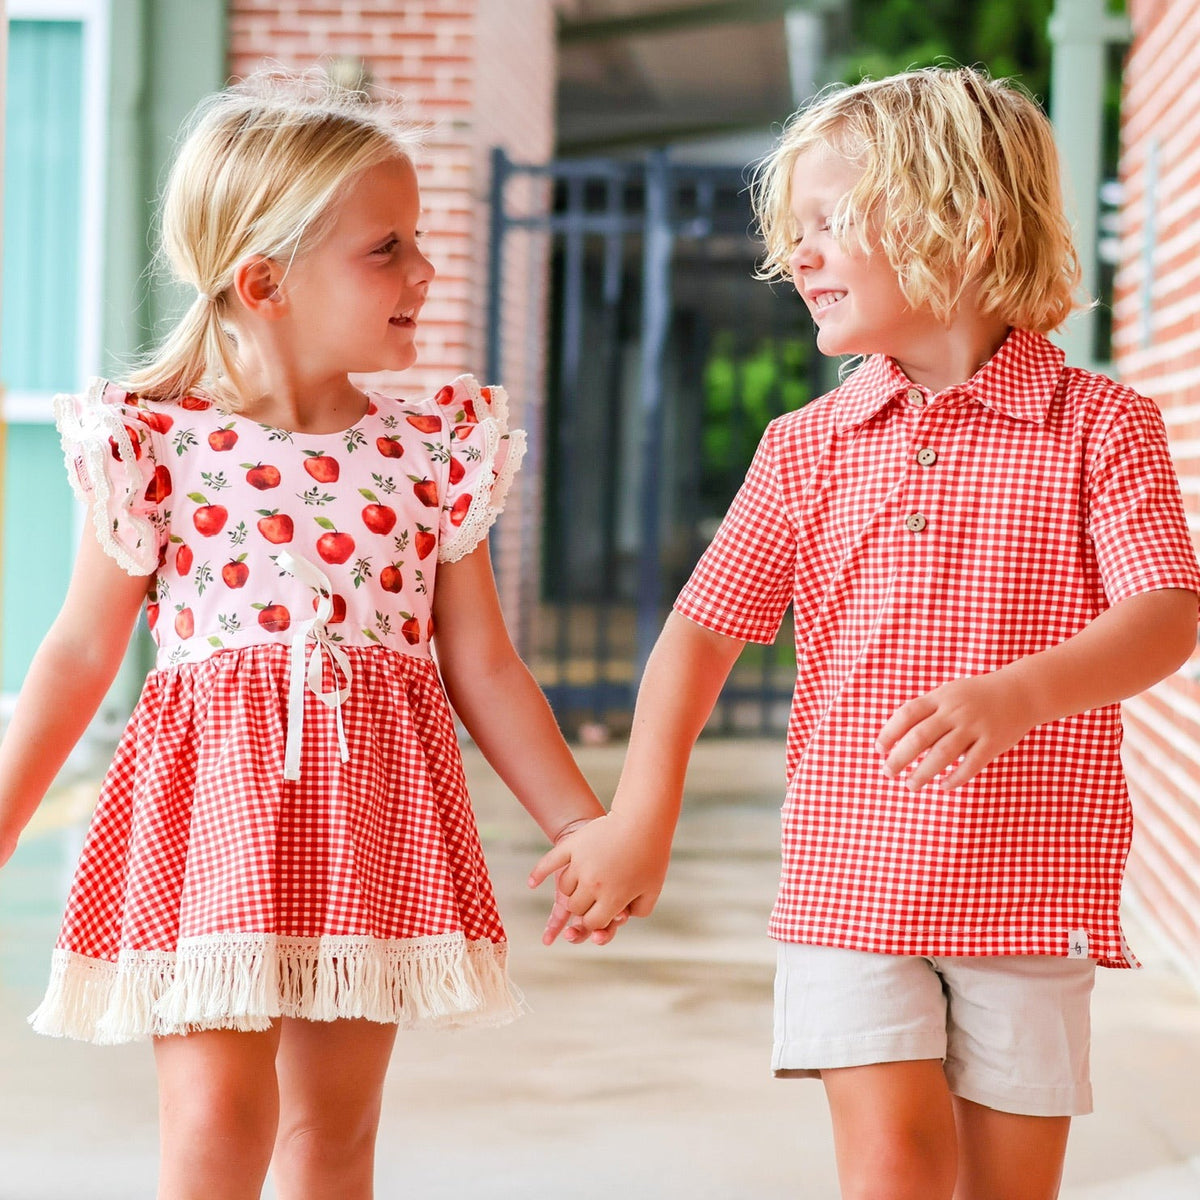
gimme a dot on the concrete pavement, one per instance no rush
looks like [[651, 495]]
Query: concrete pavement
[[642, 1069]]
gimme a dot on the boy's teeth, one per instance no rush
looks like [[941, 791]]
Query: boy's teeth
[[825, 299]]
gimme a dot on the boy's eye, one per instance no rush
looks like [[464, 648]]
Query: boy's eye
[[387, 246]]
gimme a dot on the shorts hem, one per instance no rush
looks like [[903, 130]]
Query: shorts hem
[[1071, 1101], [806, 1060]]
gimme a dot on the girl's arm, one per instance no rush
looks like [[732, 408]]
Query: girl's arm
[[504, 711], [68, 678], [1125, 650], [622, 860]]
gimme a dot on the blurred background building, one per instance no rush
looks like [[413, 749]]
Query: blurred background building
[[585, 176]]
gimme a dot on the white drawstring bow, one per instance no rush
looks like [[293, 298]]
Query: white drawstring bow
[[313, 675]]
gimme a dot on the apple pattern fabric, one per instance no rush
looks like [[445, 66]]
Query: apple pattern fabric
[[285, 828]]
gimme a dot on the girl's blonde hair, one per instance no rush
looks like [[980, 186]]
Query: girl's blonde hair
[[960, 185], [257, 172]]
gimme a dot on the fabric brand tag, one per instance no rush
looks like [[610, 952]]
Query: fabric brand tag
[[1077, 943]]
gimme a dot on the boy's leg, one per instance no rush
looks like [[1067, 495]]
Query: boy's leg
[[1017, 1062], [218, 1107], [1003, 1156], [330, 1091], [893, 1130]]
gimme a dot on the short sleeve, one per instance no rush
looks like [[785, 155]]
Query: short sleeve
[[1136, 518], [484, 457], [110, 459], [744, 581]]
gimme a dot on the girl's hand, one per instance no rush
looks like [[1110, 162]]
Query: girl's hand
[[561, 919], [603, 870], [968, 721]]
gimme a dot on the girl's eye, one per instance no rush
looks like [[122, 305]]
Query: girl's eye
[[387, 247]]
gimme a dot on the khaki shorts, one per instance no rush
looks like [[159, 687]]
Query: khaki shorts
[[1013, 1032]]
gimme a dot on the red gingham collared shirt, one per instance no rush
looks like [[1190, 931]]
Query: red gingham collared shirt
[[920, 539]]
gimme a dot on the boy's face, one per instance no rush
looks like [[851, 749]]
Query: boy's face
[[854, 297]]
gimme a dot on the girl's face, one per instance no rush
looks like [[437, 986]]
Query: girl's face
[[854, 297], [354, 299]]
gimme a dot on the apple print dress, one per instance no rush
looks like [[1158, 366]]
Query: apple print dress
[[285, 828]]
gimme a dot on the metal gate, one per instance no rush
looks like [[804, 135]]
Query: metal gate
[[665, 361]]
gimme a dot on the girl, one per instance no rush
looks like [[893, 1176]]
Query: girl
[[283, 868], [985, 551]]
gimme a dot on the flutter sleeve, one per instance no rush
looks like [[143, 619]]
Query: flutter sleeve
[[111, 463], [484, 457]]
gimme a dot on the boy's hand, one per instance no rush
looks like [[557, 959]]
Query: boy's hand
[[970, 721], [605, 871]]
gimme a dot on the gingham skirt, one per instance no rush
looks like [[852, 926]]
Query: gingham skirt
[[213, 894]]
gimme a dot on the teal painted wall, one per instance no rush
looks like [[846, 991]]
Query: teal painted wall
[[38, 337]]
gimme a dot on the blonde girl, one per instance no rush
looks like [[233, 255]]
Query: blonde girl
[[283, 868]]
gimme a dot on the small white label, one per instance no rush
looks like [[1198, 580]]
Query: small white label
[[1077, 943]]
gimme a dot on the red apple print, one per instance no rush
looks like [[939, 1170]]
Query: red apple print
[[152, 615], [194, 404], [459, 509], [321, 467], [157, 421], [224, 438], [457, 470], [425, 490], [372, 408], [209, 519], [486, 393], [185, 623], [273, 617], [390, 579], [378, 518], [339, 608], [275, 526], [183, 558], [411, 629], [134, 440], [445, 395], [429, 629], [424, 541], [469, 412], [235, 572], [389, 447], [426, 424], [261, 475], [159, 487], [333, 547]]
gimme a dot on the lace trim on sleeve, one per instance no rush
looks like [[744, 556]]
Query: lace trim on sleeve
[[488, 503], [85, 424]]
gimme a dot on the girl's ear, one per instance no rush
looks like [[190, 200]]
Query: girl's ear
[[256, 283]]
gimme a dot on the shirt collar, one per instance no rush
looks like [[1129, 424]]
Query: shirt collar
[[1019, 380]]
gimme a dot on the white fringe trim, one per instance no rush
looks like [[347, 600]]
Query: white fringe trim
[[245, 981]]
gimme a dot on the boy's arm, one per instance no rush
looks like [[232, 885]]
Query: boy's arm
[[1125, 650], [620, 861]]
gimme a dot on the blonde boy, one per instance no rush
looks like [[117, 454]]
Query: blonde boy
[[985, 551]]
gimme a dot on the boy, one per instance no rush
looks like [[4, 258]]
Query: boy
[[985, 551]]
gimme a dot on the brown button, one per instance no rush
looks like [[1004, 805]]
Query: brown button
[[915, 398], [915, 522], [927, 456]]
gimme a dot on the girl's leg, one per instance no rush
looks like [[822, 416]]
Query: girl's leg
[[1002, 1156], [218, 1108], [893, 1131], [330, 1091]]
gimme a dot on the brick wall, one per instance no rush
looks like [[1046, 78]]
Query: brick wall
[[1157, 350], [481, 73]]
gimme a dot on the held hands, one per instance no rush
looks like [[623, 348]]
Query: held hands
[[606, 872], [968, 721]]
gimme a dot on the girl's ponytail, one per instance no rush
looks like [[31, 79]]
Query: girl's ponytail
[[197, 356]]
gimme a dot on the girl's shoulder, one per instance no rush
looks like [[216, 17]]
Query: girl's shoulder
[[462, 401]]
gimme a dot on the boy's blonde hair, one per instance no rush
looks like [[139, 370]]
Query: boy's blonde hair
[[960, 185], [257, 172]]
